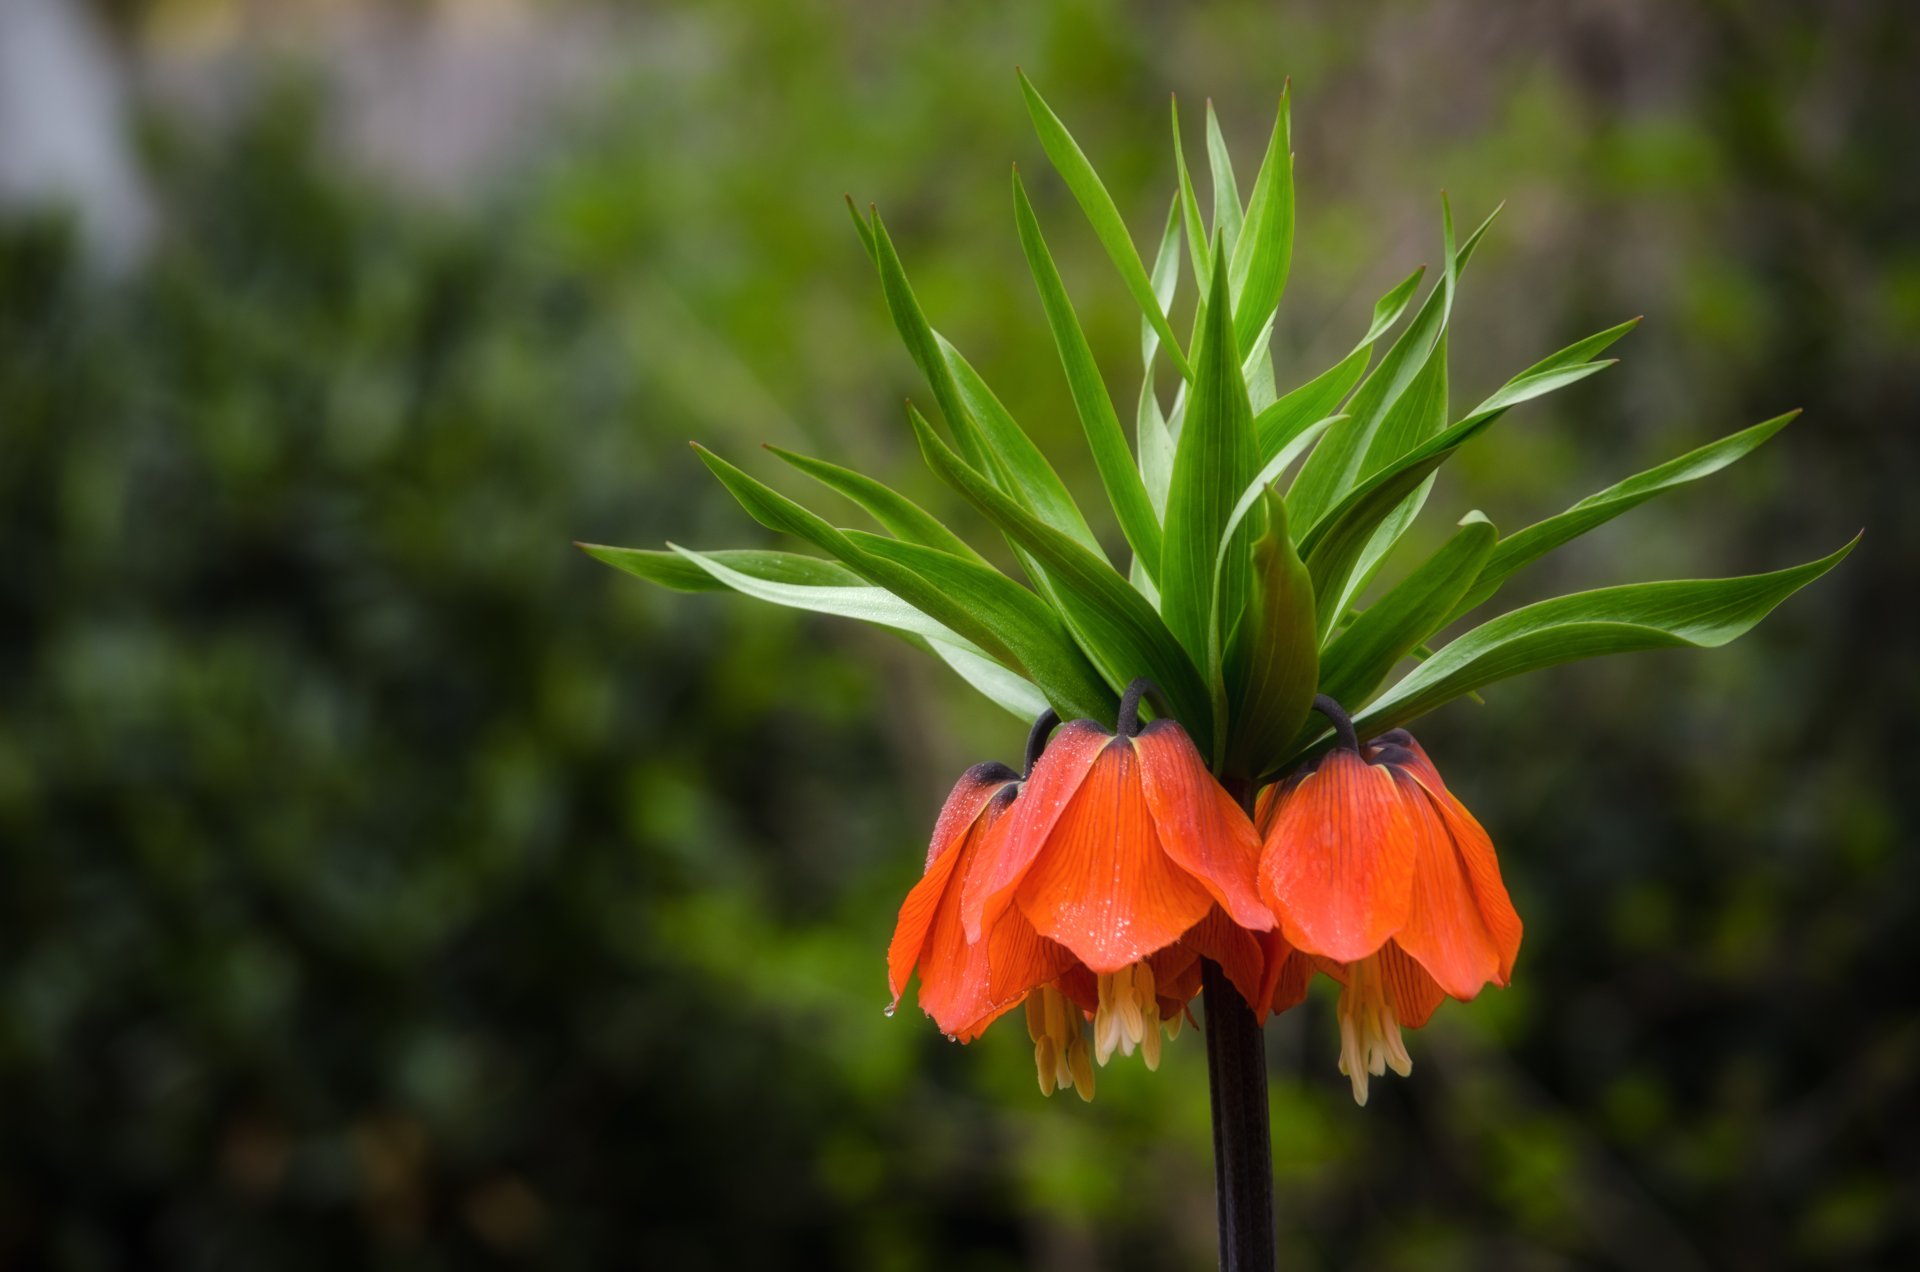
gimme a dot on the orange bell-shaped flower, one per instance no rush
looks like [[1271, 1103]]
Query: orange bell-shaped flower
[[1125, 851], [1374, 869]]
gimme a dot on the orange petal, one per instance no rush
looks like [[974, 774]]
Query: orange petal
[[965, 804], [916, 919], [1237, 951], [1176, 978], [1337, 868], [1446, 931], [1019, 960], [1264, 806], [1201, 827], [1287, 976], [1062, 767], [1414, 994], [1474, 854], [1101, 884]]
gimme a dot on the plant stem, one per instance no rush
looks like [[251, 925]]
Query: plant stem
[[1242, 1141]]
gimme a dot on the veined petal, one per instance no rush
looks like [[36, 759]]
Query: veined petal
[[1019, 960], [1412, 991], [1472, 851], [1337, 869], [1288, 973], [915, 921], [1238, 952], [1101, 884], [1202, 829], [958, 818], [955, 983], [1445, 931], [1044, 797], [965, 802]]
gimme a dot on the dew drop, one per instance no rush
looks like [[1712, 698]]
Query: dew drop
[[889, 1009]]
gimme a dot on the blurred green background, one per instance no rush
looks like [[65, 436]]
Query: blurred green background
[[383, 884]]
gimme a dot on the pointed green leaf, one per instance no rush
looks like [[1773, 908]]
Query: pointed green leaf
[[1338, 465], [924, 346], [1335, 546], [905, 518], [1321, 396], [1190, 205], [1256, 669], [1614, 620], [1074, 168], [1363, 655], [864, 230], [882, 608], [1528, 545], [1125, 490], [1004, 688], [777, 512], [1227, 211], [1113, 623], [1151, 437], [1273, 660], [1265, 249], [1027, 625], [1031, 480], [672, 569], [863, 604], [1213, 464]]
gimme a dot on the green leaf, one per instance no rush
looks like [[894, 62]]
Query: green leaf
[[1197, 245], [882, 608], [1273, 662], [1004, 688], [1528, 545], [1151, 436], [1335, 545], [1321, 396], [1258, 668], [1615, 620], [1213, 464], [864, 230], [1024, 623], [1387, 310], [1265, 249], [864, 604], [1363, 655], [1116, 626], [777, 512], [1074, 168], [672, 569], [1125, 490], [924, 347], [895, 511], [1339, 463], [1031, 480], [1419, 413], [1227, 211]]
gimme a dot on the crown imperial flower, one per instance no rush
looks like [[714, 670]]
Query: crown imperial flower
[[1378, 873]]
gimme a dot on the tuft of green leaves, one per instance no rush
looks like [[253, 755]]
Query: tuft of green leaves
[[1240, 601]]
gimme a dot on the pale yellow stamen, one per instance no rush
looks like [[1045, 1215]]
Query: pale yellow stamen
[[1060, 1055], [1128, 1016], [1370, 1041]]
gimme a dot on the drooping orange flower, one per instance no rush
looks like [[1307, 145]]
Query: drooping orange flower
[[929, 935], [1377, 872], [1091, 890], [1125, 852]]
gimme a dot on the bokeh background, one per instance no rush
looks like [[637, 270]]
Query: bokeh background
[[385, 885]]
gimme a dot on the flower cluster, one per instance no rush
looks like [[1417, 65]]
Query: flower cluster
[[1091, 887], [1260, 508]]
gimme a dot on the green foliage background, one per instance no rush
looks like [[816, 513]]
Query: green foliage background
[[384, 884]]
